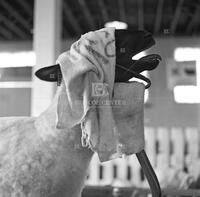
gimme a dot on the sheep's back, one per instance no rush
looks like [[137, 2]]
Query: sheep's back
[[22, 171]]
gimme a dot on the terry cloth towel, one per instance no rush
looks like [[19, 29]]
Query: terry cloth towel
[[88, 70]]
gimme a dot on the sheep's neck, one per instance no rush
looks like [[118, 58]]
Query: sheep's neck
[[73, 158]]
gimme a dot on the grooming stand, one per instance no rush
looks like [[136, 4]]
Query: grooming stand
[[149, 173]]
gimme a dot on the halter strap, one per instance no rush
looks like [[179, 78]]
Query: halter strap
[[137, 75]]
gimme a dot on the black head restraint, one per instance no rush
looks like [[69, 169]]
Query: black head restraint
[[128, 43]]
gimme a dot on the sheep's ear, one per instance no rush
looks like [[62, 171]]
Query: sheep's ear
[[50, 73]]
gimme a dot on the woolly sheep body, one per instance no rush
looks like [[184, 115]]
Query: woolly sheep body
[[38, 160]]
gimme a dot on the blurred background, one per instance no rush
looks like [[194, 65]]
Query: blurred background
[[34, 33]]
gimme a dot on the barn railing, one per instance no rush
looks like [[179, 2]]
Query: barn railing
[[166, 148]]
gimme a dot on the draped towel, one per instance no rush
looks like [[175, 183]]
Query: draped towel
[[94, 101]]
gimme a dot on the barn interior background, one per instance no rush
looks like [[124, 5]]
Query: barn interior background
[[33, 33]]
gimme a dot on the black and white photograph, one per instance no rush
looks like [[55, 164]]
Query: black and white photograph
[[99, 98]]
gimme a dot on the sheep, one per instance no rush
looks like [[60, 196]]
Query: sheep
[[38, 160]]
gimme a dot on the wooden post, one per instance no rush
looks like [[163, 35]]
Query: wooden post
[[47, 33], [163, 158], [178, 139]]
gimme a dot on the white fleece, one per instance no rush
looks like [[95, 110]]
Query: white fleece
[[38, 160]]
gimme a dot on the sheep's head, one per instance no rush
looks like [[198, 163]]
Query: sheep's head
[[128, 44], [93, 47]]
